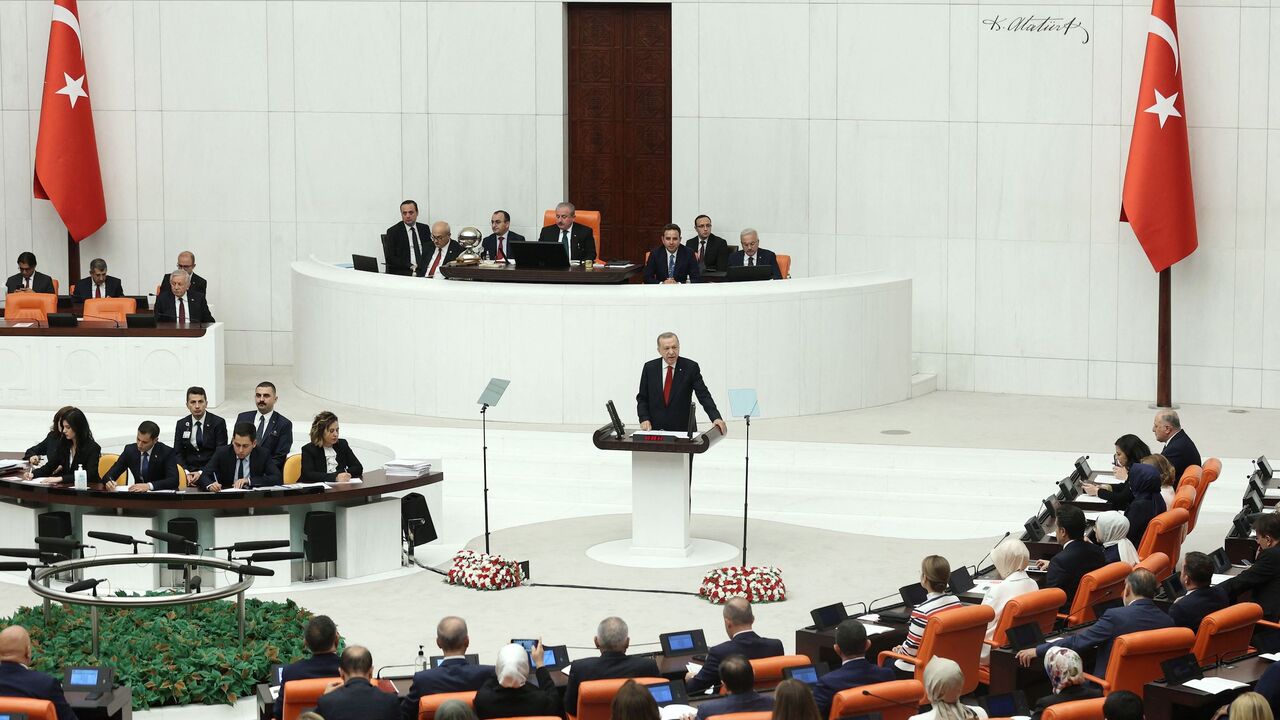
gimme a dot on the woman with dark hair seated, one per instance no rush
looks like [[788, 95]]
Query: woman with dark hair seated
[[1130, 449], [327, 458], [47, 447], [793, 700], [634, 702], [77, 450]]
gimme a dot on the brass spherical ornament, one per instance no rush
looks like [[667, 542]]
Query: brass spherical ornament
[[470, 238]]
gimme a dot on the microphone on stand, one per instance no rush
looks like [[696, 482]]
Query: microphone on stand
[[171, 538], [100, 317], [977, 568], [86, 584], [899, 703], [68, 543], [886, 597]]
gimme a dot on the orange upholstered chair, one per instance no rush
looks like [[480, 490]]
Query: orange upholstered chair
[[956, 634], [768, 671], [112, 308], [1225, 635], [1211, 470], [302, 695], [1105, 583], [1158, 564], [105, 461], [902, 697], [1136, 657], [1075, 710], [1164, 534], [784, 266], [590, 218], [762, 715], [27, 307], [56, 286], [595, 697], [1039, 606], [427, 704], [32, 708], [1185, 498]]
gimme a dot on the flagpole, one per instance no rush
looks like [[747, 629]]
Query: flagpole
[[73, 261], [1164, 352]]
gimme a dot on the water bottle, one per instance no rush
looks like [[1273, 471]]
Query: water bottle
[[82, 478], [422, 659]]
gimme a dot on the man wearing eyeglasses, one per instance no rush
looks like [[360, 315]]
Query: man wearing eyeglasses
[[711, 250], [446, 249], [187, 263]]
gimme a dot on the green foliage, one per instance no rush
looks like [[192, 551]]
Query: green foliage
[[174, 655]]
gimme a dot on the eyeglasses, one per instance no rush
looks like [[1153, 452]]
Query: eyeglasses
[[186, 267], [439, 237]]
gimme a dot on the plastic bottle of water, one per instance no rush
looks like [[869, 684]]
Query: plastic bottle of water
[[82, 478], [422, 658]]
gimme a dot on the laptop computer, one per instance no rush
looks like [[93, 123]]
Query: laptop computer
[[828, 616], [912, 595], [549, 255], [683, 642], [364, 263], [742, 273]]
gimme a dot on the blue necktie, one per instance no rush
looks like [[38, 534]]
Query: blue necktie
[[671, 266], [199, 434], [145, 458]]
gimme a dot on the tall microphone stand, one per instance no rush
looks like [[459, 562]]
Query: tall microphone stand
[[744, 404], [490, 397]]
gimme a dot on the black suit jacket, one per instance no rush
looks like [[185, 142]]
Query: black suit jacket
[[580, 236], [162, 469], [314, 466], [854, 673], [717, 257], [84, 288], [1262, 579], [46, 447], [1139, 615], [451, 251], [222, 468], [215, 436], [197, 308], [61, 465], [453, 675], [608, 665], [1188, 610], [1181, 453], [746, 643], [655, 270], [686, 380], [397, 249], [277, 437], [763, 257], [18, 681], [40, 282], [491, 245], [359, 700], [1070, 564], [322, 665], [198, 284], [494, 701]]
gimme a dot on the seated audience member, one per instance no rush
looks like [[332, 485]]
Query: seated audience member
[[738, 623], [751, 254], [1144, 482], [1111, 529], [181, 304], [634, 702], [1250, 706], [509, 694], [444, 250], [1129, 450], [854, 671], [275, 431], [1262, 579], [1138, 613], [943, 685], [187, 264], [328, 458], [1076, 557], [671, 262], [454, 673], [46, 448], [321, 639], [99, 284], [242, 464], [710, 250], [577, 239], [17, 679], [935, 575], [739, 679], [1066, 678], [1168, 482], [153, 464], [612, 640], [1178, 449], [1201, 599], [1011, 558], [198, 435], [457, 710], [1122, 705], [497, 246], [28, 279], [793, 700], [77, 450], [1268, 686], [358, 698], [404, 243]]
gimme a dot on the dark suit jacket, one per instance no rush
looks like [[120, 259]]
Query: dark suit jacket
[[1262, 580], [451, 251], [313, 464], [197, 308], [1268, 685], [854, 673], [61, 465], [322, 665], [222, 468], [1188, 610], [1070, 564], [655, 270], [746, 643], [453, 675], [491, 245], [580, 236], [608, 665], [1086, 691], [397, 249], [1141, 614], [40, 282], [198, 284], [46, 447], [717, 257], [359, 700], [84, 288], [162, 470], [750, 701], [763, 257], [685, 381], [1181, 453], [495, 701], [18, 681], [215, 436], [277, 437]]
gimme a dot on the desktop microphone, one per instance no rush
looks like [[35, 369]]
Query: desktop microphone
[[171, 538], [116, 538], [86, 584], [255, 545], [899, 703], [253, 570], [193, 585], [976, 570], [19, 566], [34, 554], [68, 543], [100, 317], [886, 597]]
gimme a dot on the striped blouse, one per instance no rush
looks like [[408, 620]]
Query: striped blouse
[[934, 603]]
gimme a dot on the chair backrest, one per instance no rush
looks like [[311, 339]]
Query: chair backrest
[[590, 218], [105, 461], [182, 478], [1185, 498], [302, 695], [1136, 657], [1164, 534], [768, 671], [428, 704], [1157, 563], [25, 306], [1075, 710], [1101, 585], [292, 468], [901, 698], [1225, 634], [1211, 470], [116, 309], [34, 709], [784, 266], [1038, 606], [595, 697], [957, 634]]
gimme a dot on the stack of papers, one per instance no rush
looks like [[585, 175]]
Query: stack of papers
[[875, 629], [7, 465], [1219, 579], [1270, 656], [407, 468], [1213, 685]]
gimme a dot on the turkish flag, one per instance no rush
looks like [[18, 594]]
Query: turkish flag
[[67, 171], [1157, 201]]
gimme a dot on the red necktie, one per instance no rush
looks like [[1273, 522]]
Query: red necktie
[[501, 257], [182, 311], [435, 263], [97, 290], [666, 388]]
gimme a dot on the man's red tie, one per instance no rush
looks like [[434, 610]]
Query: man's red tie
[[97, 291], [501, 257], [666, 388], [182, 311], [435, 264]]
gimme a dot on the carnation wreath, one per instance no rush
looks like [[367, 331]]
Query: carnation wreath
[[758, 584], [480, 571]]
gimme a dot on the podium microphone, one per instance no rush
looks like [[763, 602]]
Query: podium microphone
[[886, 597], [68, 543], [171, 538], [86, 584], [977, 569], [899, 703], [100, 317]]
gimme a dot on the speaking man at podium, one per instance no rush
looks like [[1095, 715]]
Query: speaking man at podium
[[667, 386]]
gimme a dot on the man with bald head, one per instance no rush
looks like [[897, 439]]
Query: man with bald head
[[17, 679], [357, 698], [738, 622], [1178, 448], [453, 674], [445, 250], [187, 264], [613, 637]]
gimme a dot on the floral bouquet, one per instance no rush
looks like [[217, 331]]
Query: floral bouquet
[[756, 584], [479, 571]]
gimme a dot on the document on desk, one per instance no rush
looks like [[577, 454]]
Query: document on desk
[[875, 629], [675, 711], [1087, 499], [663, 433], [1270, 656], [693, 668], [1213, 685], [1219, 579]]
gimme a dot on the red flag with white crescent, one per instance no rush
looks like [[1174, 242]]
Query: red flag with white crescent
[[1157, 201], [67, 171]]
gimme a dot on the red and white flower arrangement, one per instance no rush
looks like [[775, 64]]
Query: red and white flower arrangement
[[756, 584], [479, 571]]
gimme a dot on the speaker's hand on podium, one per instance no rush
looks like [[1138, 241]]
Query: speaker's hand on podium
[[724, 429], [646, 425]]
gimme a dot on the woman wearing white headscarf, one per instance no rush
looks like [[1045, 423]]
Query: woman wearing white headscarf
[[943, 683], [1011, 558], [1112, 530], [508, 694]]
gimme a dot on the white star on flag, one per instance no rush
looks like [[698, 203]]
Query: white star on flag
[[75, 89], [1164, 107]]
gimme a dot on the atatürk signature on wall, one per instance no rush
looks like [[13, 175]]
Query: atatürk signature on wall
[[1038, 24]]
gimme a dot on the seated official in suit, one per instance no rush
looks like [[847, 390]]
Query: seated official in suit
[[357, 698], [99, 284], [1066, 679], [46, 448], [509, 693], [1077, 556], [612, 640], [328, 458], [1201, 599], [497, 244], [1144, 482], [710, 250], [667, 386], [1138, 613], [27, 279], [275, 431], [180, 304], [752, 254], [187, 264], [454, 674], [1011, 559], [577, 239], [671, 262], [1178, 449], [242, 464], [633, 701], [18, 680], [943, 685], [77, 450], [935, 576], [1262, 579], [405, 242], [443, 251], [1111, 531], [321, 639], [854, 671], [198, 435], [1129, 451], [739, 678], [153, 464], [1268, 686], [743, 640]]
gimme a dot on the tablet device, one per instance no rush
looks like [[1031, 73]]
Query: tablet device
[[12, 716], [1005, 704], [829, 616], [1023, 637], [742, 273], [92, 680], [807, 674], [364, 263], [913, 594], [140, 320], [275, 677], [1181, 669], [684, 642], [471, 658], [62, 320], [555, 657], [539, 254], [961, 581], [669, 693]]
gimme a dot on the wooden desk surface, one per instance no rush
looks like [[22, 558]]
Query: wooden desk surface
[[104, 328], [1165, 702], [573, 275]]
